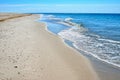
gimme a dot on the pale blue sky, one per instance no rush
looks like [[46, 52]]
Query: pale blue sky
[[59, 1], [61, 6]]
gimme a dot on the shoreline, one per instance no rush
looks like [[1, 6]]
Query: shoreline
[[104, 70], [63, 40], [107, 71], [76, 48], [102, 58], [30, 52]]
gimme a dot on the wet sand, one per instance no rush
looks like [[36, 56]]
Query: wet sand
[[105, 71]]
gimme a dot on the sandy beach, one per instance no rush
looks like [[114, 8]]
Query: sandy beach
[[29, 52]]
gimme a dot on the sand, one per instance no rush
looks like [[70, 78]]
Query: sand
[[105, 71], [29, 52]]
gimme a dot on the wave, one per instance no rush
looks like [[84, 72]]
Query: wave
[[66, 21], [117, 65], [111, 41], [51, 18], [103, 49]]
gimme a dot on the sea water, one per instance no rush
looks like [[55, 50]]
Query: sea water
[[94, 34]]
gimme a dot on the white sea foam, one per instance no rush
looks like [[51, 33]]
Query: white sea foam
[[68, 19], [117, 65], [103, 49], [112, 41], [51, 17]]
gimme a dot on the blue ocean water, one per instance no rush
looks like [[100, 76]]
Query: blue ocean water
[[95, 34]]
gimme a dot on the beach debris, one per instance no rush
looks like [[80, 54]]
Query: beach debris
[[18, 72], [15, 66]]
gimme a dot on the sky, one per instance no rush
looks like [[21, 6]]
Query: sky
[[60, 6]]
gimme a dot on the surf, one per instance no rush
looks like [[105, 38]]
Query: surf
[[70, 28]]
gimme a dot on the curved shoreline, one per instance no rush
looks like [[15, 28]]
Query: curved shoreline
[[75, 24], [71, 24], [29, 52], [104, 70]]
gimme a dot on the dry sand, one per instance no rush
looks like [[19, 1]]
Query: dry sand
[[29, 52]]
